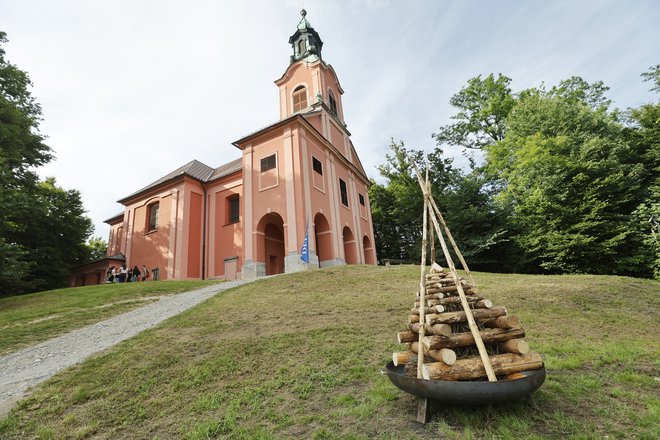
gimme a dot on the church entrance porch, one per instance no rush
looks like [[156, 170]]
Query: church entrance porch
[[270, 243]]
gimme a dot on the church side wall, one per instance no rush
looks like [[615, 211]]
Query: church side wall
[[115, 238], [149, 247], [268, 190], [225, 238]]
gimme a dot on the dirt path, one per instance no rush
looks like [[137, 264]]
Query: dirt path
[[30, 366]]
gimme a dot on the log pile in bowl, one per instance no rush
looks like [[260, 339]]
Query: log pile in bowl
[[448, 344]]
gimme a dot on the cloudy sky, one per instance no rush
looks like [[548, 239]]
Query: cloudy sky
[[133, 89]]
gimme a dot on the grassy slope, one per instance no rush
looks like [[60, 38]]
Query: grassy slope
[[28, 319], [299, 356]]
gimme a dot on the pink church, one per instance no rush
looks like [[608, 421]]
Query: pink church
[[249, 218]]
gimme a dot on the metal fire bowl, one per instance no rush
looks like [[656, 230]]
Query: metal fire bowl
[[468, 392]]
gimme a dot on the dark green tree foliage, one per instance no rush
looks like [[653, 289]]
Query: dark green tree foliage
[[573, 181], [42, 227], [567, 185], [483, 105], [644, 134], [465, 200], [396, 206], [478, 224]]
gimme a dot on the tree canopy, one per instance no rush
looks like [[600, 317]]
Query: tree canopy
[[566, 184], [42, 227]]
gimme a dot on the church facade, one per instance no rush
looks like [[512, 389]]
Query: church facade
[[298, 178]]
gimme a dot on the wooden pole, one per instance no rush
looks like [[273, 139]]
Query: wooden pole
[[446, 228], [422, 284], [466, 307], [432, 238], [453, 243]]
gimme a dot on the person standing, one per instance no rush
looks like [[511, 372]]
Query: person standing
[[135, 274], [145, 273], [123, 272]]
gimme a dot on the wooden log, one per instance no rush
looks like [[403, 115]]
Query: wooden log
[[436, 309], [510, 321], [450, 289], [448, 281], [415, 310], [451, 317], [406, 337], [402, 357], [473, 368], [465, 339], [444, 355], [436, 268], [483, 304], [477, 301], [457, 300], [430, 296], [518, 346], [435, 329], [413, 318], [453, 293]]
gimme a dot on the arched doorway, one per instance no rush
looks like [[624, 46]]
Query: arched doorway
[[323, 237], [270, 243], [350, 254], [368, 251]]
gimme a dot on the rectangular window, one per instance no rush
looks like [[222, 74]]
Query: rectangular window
[[233, 209], [268, 163], [344, 193], [317, 165], [361, 199], [153, 217]]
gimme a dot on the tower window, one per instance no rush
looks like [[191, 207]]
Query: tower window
[[233, 209], [332, 103], [361, 199], [317, 165], [299, 99], [268, 163], [153, 216], [302, 46], [344, 193]]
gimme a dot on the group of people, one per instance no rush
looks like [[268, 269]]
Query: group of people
[[126, 275]]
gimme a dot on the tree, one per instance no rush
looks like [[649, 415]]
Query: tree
[[644, 132], [653, 75], [42, 227], [97, 249], [483, 105], [573, 181]]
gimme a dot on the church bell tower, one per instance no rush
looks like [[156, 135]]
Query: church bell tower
[[305, 41]]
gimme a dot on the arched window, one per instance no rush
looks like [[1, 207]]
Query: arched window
[[153, 217], [302, 46], [299, 99], [332, 103]]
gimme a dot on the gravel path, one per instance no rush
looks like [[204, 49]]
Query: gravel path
[[30, 366]]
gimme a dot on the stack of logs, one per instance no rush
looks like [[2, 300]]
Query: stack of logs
[[448, 345]]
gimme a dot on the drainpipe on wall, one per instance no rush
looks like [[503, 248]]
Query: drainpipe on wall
[[204, 236]]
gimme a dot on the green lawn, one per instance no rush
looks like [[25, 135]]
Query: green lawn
[[299, 356], [29, 319]]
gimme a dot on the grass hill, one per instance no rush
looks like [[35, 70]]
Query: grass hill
[[299, 356], [29, 319]]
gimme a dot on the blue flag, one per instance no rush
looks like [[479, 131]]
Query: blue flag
[[304, 251]]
